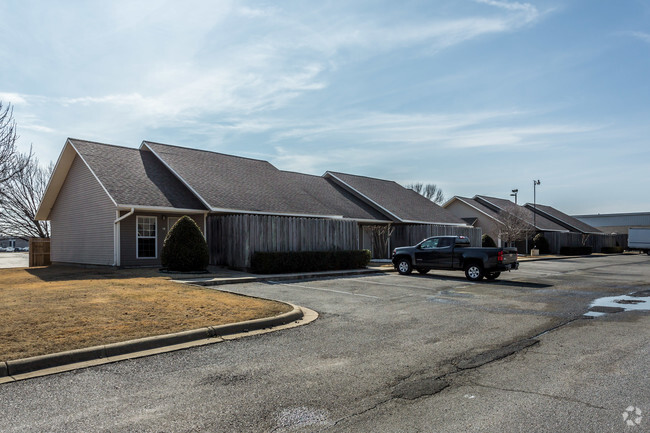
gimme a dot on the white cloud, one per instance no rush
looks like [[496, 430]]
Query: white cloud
[[645, 37], [12, 98]]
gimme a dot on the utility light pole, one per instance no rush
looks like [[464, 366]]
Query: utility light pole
[[535, 183], [514, 194]]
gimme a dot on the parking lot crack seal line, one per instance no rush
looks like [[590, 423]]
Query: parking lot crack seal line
[[362, 412], [430, 386], [541, 394]]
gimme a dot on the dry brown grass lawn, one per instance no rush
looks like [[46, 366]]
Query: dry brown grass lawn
[[56, 308]]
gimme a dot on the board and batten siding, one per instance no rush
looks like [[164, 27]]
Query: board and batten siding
[[232, 239], [410, 234], [128, 236], [82, 220]]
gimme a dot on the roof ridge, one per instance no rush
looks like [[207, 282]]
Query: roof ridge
[[302, 174], [208, 151], [77, 140], [366, 177]]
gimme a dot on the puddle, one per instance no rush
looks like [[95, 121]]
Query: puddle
[[616, 304]]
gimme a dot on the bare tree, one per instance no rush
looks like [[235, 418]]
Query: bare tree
[[380, 236], [430, 191], [515, 224], [11, 161], [19, 200]]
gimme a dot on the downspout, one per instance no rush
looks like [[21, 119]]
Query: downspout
[[205, 226], [116, 230]]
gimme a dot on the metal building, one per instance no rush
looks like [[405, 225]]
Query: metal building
[[618, 223]]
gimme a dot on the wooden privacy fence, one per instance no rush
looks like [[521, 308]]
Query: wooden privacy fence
[[596, 241], [411, 234], [232, 239], [39, 252]]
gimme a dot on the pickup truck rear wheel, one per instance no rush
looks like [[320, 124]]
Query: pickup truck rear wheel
[[492, 275], [404, 266], [474, 272]]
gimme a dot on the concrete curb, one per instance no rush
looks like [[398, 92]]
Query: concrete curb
[[35, 363], [555, 257]]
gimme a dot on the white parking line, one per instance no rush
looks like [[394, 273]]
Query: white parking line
[[326, 290]]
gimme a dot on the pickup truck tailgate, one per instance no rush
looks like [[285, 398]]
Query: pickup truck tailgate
[[509, 255]]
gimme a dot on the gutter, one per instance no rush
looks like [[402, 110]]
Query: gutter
[[126, 215], [116, 235]]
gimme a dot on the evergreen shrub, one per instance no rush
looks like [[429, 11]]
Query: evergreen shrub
[[487, 241], [308, 261], [576, 251], [611, 250], [185, 248], [541, 243]]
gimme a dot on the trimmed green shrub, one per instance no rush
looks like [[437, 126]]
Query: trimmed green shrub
[[611, 250], [308, 261], [185, 248], [487, 241], [575, 251], [540, 242]]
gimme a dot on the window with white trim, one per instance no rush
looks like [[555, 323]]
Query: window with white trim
[[147, 241]]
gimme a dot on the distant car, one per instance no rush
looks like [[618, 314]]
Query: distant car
[[10, 249]]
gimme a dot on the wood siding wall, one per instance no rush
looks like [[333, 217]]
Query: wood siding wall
[[39, 252], [410, 234], [595, 241], [232, 239], [82, 220], [128, 237]]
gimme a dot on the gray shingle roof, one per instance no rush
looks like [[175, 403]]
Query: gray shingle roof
[[571, 223], [233, 183], [541, 222], [134, 177], [405, 204], [480, 206]]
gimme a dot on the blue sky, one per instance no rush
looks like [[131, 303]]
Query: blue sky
[[477, 96]]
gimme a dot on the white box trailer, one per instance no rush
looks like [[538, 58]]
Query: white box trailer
[[638, 238]]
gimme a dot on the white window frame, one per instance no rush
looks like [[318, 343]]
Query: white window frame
[[138, 237], [169, 222]]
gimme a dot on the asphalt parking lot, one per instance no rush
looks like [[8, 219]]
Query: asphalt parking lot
[[388, 353]]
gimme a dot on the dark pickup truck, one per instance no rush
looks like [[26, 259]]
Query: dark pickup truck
[[455, 253]]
